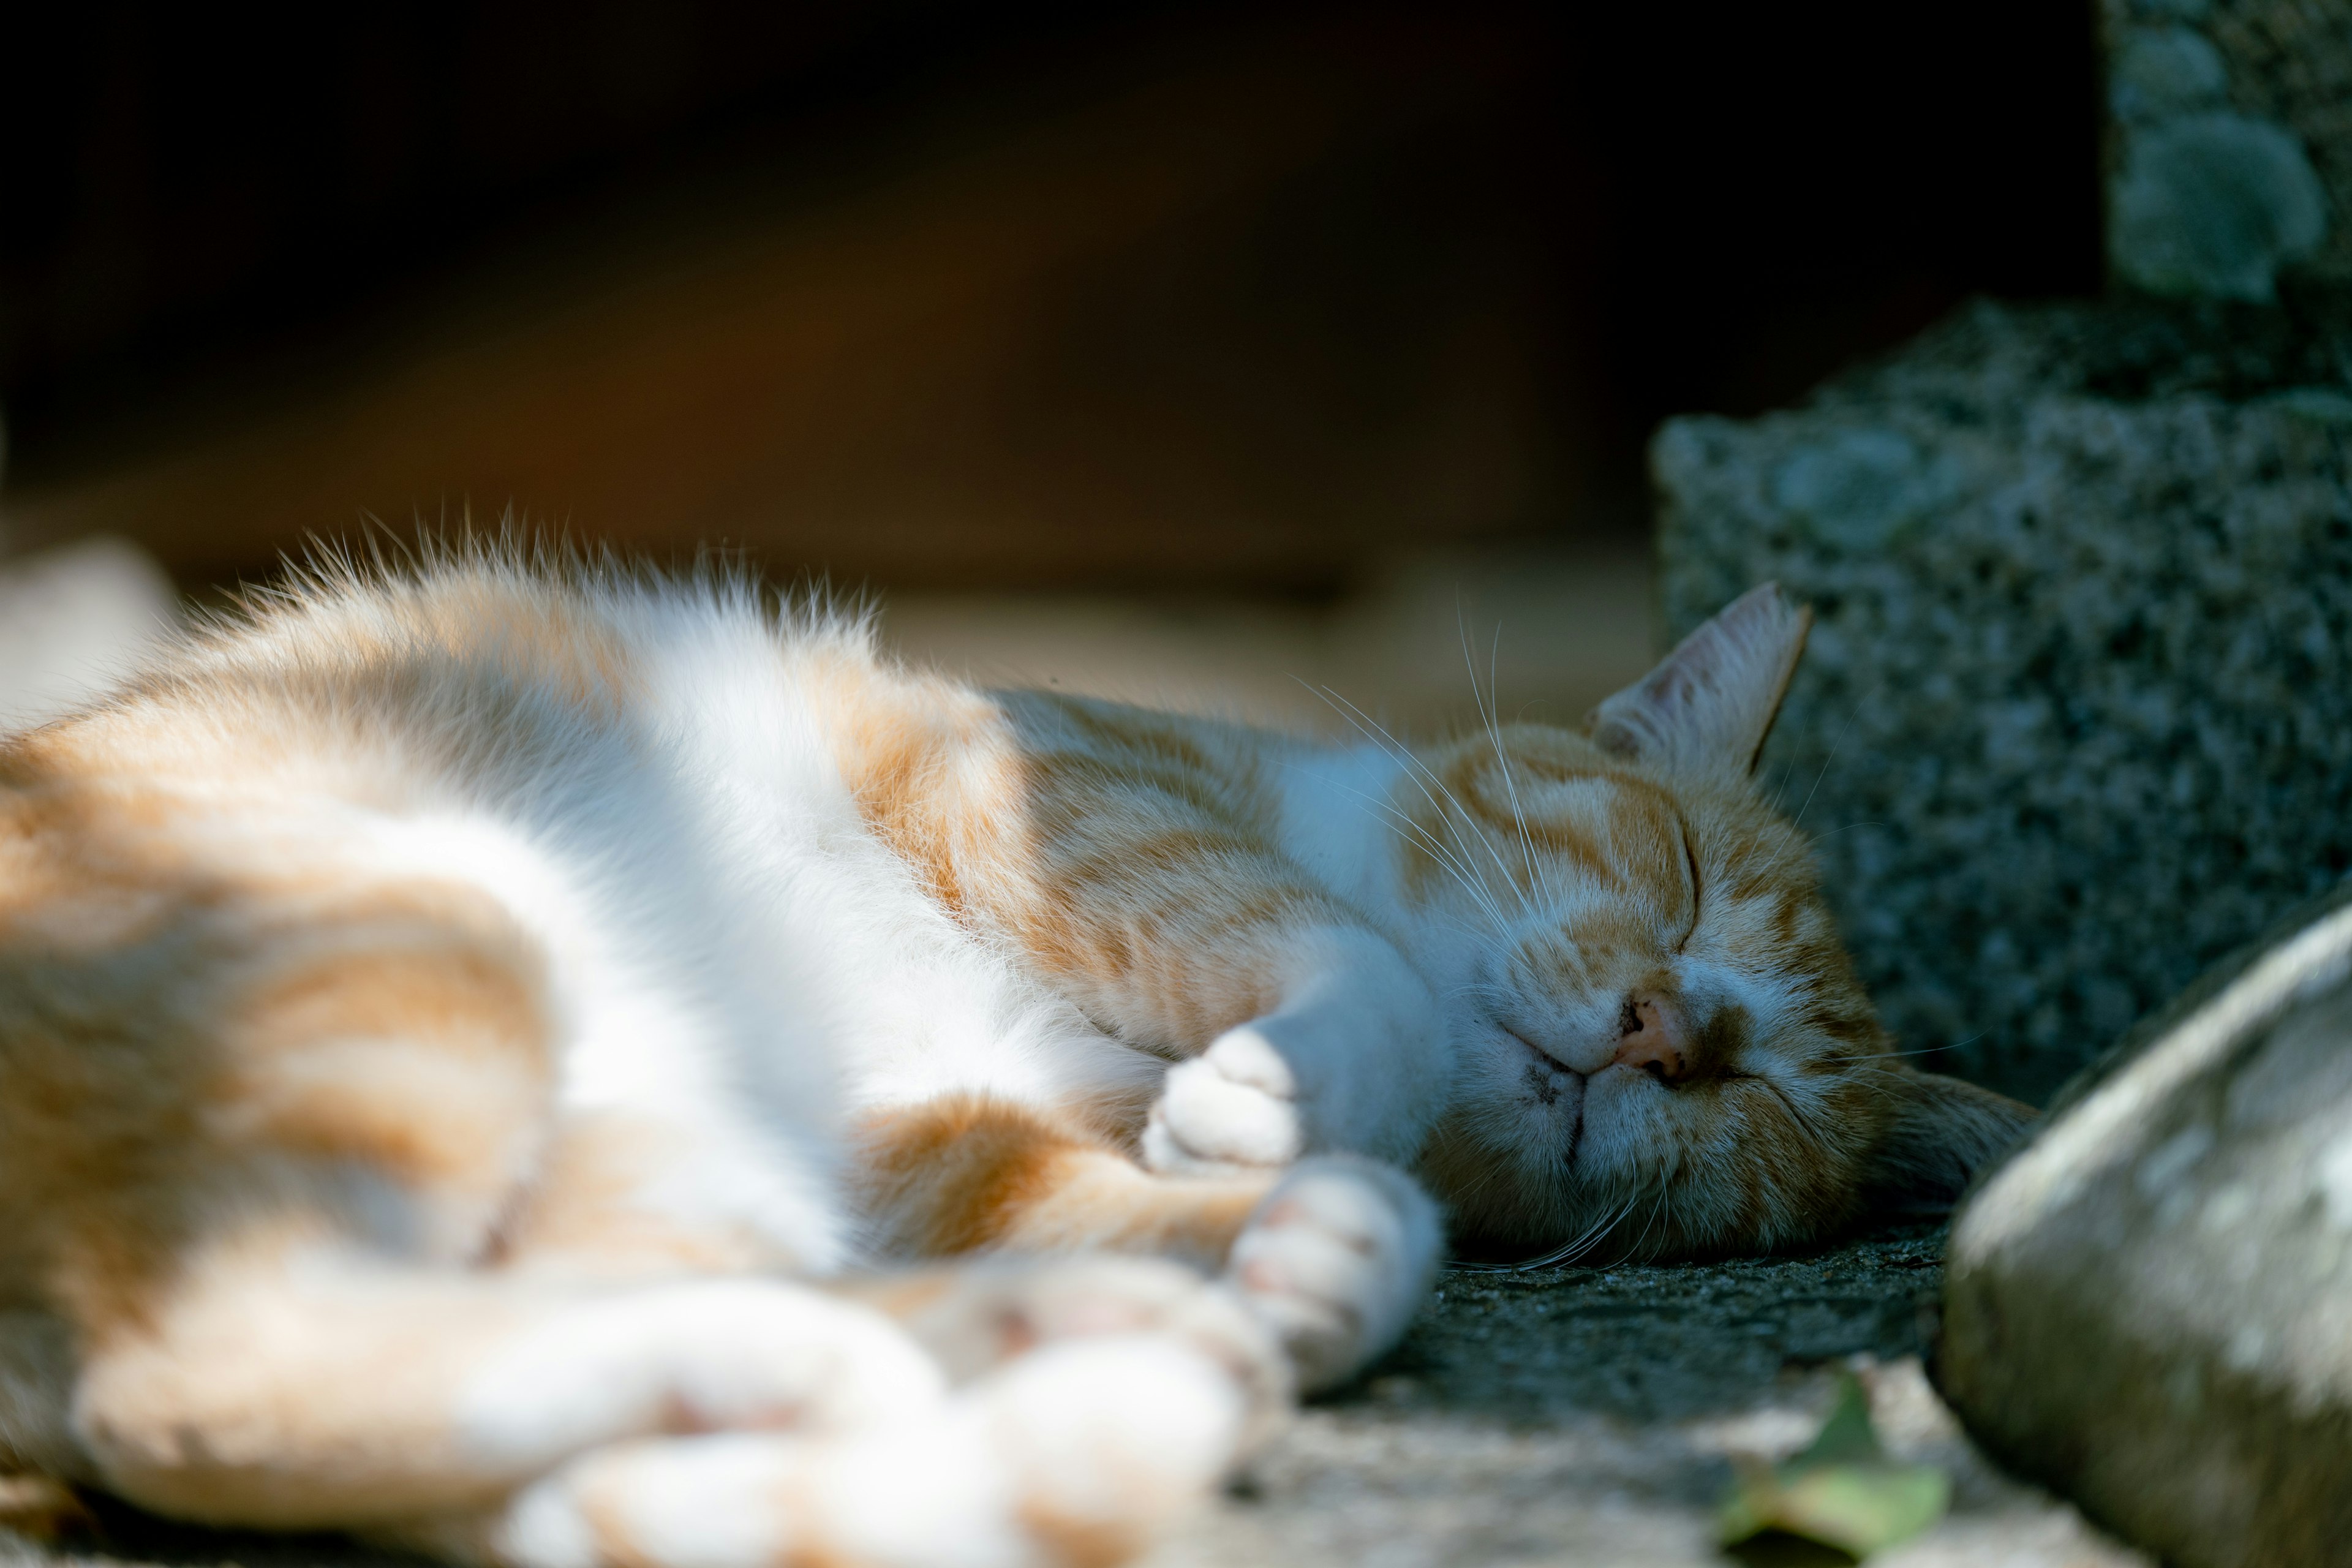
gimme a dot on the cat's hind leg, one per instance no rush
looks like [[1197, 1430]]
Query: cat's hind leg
[[1334, 1254], [977, 1315], [260, 1141], [1101, 1396], [689, 1424], [308, 1390], [1072, 1455]]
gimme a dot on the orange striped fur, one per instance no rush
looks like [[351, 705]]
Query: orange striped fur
[[468, 1039], [1138, 861]]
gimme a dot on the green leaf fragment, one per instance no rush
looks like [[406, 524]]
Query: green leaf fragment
[[1842, 1490], [1847, 1437]]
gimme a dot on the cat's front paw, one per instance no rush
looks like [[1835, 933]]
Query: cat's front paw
[[1233, 1108], [1337, 1260]]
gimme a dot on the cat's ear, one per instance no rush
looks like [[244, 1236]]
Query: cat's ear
[[1708, 705], [1942, 1130]]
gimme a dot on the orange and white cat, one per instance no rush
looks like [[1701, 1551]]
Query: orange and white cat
[[469, 1037]]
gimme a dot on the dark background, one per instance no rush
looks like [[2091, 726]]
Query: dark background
[[1012, 295]]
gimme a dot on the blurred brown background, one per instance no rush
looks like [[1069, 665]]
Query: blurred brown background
[[1180, 350]]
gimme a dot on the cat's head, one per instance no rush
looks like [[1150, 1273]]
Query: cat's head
[[1663, 1045]]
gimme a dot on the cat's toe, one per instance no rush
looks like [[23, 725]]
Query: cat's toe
[[1078, 1452], [1335, 1261], [1229, 1108], [713, 1354], [1113, 1439], [988, 1313]]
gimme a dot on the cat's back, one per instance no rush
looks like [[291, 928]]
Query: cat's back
[[486, 681], [457, 806], [318, 709], [479, 663], [548, 737]]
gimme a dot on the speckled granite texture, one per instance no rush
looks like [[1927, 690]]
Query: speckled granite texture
[[2228, 143], [2291, 61], [2076, 718]]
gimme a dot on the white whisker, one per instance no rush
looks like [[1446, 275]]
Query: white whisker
[[1445, 857], [1844, 730], [1488, 716], [1417, 770], [1453, 812]]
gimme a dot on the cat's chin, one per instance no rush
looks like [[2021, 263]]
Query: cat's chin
[[1552, 1100], [1502, 1171]]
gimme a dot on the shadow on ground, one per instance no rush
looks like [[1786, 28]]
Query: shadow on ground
[[1589, 1415]]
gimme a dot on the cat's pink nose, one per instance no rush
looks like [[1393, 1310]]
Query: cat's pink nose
[[1655, 1039]]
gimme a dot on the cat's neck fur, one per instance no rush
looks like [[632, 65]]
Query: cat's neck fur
[[1340, 807]]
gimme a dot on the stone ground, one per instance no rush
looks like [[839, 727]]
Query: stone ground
[[1589, 1416], [1575, 1415]]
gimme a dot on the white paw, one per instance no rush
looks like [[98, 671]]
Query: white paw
[[997, 1308], [745, 1359], [722, 1354], [1230, 1107], [1335, 1261], [1109, 1440], [1080, 1452]]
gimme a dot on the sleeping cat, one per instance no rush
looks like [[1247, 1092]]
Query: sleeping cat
[[468, 1037]]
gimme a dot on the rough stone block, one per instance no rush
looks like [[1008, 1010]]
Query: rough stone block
[[2076, 718], [2229, 143], [2150, 1306]]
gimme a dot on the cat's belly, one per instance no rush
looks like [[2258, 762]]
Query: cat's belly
[[906, 1004], [694, 1113]]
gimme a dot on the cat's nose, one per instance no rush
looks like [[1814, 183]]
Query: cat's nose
[[1656, 1038]]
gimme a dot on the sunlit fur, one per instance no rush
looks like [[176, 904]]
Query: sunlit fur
[[456, 1027], [1180, 877]]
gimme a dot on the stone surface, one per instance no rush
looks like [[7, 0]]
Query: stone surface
[[2151, 1304], [2076, 716], [2229, 144], [1568, 1416]]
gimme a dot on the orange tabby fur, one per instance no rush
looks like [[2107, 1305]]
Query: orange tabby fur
[[1134, 857], [309, 1209]]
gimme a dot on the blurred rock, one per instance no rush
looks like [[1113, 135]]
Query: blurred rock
[[2150, 1306], [2229, 143], [73, 621], [2076, 719], [2214, 204]]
